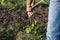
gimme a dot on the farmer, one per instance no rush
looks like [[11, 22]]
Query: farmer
[[53, 27]]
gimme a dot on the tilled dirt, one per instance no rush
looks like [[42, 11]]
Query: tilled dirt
[[13, 16]]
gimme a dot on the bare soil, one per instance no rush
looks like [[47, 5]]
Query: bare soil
[[13, 16]]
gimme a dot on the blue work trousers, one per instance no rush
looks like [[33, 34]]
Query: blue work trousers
[[53, 27]]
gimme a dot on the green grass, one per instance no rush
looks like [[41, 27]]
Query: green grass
[[18, 3], [12, 3]]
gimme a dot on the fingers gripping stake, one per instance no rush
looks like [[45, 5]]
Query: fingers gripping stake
[[33, 6]]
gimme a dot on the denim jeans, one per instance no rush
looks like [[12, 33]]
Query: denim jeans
[[53, 27]]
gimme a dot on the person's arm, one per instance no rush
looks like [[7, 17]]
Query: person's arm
[[29, 5], [29, 8]]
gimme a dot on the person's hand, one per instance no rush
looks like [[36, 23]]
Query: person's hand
[[30, 14], [29, 11]]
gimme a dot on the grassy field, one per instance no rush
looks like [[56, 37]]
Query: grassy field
[[14, 24]]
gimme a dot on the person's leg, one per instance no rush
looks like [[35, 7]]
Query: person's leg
[[53, 27]]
